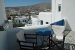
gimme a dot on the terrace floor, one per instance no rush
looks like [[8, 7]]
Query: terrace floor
[[70, 41]]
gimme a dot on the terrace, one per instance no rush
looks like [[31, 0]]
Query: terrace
[[13, 45], [8, 34]]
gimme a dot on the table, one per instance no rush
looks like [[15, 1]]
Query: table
[[44, 32]]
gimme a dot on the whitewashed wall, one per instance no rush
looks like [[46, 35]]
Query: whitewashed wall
[[11, 36], [3, 34], [68, 12], [2, 12], [45, 16], [56, 15], [10, 23], [35, 21], [16, 20], [53, 10]]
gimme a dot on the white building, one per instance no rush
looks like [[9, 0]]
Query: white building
[[22, 20], [56, 10], [45, 18], [42, 19], [64, 9]]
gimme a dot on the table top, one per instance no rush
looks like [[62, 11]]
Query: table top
[[43, 32]]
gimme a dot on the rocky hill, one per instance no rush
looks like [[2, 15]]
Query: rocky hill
[[34, 8]]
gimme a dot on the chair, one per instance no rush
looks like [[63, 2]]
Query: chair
[[23, 42], [58, 36], [31, 38]]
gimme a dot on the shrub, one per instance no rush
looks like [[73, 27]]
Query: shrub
[[18, 25]]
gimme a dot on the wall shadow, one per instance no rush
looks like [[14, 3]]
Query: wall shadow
[[67, 26]]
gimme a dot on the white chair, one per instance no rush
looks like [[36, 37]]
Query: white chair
[[23, 43], [58, 36]]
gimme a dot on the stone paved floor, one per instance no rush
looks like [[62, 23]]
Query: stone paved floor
[[70, 41]]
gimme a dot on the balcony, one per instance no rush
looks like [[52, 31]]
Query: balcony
[[13, 45], [8, 35]]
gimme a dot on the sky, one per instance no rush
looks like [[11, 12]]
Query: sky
[[13, 3]]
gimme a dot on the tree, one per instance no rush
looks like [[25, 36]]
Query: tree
[[9, 18], [29, 18]]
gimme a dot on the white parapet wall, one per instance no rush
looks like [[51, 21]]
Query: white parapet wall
[[36, 27], [3, 40], [10, 23]]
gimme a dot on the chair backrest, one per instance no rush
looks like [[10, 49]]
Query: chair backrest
[[58, 30], [31, 37], [20, 35]]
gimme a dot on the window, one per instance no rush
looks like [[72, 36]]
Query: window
[[23, 20], [46, 22], [19, 21], [59, 7], [41, 22], [16, 20]]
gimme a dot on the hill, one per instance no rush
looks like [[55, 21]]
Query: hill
[[31, 8]]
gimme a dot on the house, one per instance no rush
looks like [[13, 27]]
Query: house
[[45, 18], [42, 19], [22, 20]]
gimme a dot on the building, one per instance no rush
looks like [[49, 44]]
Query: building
[[64, 9], [42, 19], [22, 20], [45, 18]]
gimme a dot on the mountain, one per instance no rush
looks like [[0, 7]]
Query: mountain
[[34, 8]]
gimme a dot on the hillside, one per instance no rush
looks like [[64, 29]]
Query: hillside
[[34, 8]]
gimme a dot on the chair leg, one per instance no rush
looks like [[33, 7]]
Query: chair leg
[[63, 46], [63, 43], [33, 47], [57, 45], [50, 41]]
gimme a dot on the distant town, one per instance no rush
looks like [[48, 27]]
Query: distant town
[[22, 15]]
